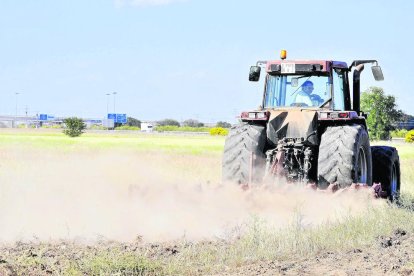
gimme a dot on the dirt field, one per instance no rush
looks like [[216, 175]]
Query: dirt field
[[389, 255], [157, 207]]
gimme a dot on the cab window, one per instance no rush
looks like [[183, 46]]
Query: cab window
[[296, 90], [338, 89]]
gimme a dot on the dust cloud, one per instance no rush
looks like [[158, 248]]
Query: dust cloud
[[85, 195]]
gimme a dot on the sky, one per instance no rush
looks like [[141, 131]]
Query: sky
[[185, 59]]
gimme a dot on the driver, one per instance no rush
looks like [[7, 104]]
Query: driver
[[305, 96]]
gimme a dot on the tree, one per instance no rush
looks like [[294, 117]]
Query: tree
[[223, 124], [74, 126], [168, 122], [192, 123], [133, 122], [383, 112]]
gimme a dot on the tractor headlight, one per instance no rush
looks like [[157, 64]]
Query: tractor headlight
[[323, 115]]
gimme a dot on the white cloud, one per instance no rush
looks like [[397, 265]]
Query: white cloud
[[143, 3]]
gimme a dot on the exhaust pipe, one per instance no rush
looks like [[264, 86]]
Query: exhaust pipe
[[357, 88]]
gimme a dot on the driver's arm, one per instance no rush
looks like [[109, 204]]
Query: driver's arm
[[303, 99]]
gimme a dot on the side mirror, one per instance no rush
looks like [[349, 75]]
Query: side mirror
[[377, 72], [254, 74]]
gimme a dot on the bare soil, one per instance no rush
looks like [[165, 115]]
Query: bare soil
[[390, 255]]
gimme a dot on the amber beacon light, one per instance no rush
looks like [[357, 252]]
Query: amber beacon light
[[283, 54]]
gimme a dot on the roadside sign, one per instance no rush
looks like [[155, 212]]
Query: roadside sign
[[121, 118], [43, 117], [118, 118]]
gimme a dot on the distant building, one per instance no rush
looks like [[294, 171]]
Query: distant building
[[92, 122], [409, 125]]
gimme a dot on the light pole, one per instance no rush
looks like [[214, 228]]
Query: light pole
[[17, 93], [107, 103], [114, 93]]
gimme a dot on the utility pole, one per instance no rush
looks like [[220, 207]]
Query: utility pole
[[114, 93], [17, 93], [107, 103]]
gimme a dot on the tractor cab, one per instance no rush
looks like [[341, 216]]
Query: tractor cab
[[309, 84], [312, 84]]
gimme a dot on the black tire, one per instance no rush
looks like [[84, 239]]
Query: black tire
[[244, 142], [386, 170], [344, 156]]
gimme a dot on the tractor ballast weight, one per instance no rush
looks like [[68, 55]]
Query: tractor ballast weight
[[308, 131]]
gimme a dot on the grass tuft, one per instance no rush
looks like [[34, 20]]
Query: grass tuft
[[115, 263]]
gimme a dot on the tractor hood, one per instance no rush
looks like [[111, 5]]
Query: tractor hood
[[292, 123]]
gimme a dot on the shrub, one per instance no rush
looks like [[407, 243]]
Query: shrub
[[223, 124], [166, 128], [133, 122], [98, 127], [194, 129], [409, 137], [168, 122], [52, 126], [219, 131], [185, 129], [126, 127], [74, 126], [192, 123], [399, 133]]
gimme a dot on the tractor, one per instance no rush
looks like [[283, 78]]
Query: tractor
[[310, 130]]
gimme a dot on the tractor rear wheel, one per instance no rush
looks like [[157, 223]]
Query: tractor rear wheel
[[344, 156], [386, 170], [243, 158]]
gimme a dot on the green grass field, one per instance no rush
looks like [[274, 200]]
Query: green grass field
[[170, 144], [190, 144], [259, 242]]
